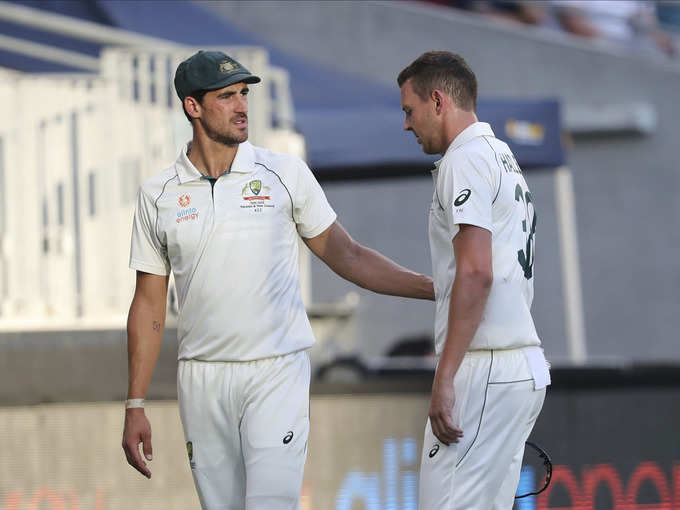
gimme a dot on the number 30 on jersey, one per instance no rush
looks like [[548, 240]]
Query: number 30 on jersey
[[525, 256]]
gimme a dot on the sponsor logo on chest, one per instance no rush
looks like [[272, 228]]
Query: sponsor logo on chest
[[186, 213]]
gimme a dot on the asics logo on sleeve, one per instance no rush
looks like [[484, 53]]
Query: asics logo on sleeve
[[462, 197]]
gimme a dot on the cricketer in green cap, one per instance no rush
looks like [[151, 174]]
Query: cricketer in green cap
[[208, 84], [209, 70]]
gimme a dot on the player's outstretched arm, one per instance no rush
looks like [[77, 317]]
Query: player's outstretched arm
[[367, 268], [146, 321]]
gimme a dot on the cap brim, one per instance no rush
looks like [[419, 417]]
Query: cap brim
[[234, 78]]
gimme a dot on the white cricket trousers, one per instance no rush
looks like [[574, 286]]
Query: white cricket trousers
[[496, 406], [246, 426]]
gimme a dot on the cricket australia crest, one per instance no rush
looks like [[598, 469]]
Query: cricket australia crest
[[255, 190], [255, 186], [256, 195]]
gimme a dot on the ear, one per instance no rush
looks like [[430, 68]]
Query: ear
[[192, 106], [438, 99]]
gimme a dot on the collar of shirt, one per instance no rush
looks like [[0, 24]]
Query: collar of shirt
[[472, 131], [244, 163]]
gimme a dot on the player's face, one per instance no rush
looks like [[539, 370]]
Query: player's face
[[420, 118], [224, 114]]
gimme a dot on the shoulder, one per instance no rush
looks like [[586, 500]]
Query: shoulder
[[479, 152], [291, 170], [154, 186], [473, 163], [278, 162]]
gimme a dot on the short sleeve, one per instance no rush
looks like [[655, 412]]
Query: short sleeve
[[466, 192], [147, 253], [311, 211]]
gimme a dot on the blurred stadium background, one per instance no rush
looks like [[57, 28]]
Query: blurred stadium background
[[586, 92]]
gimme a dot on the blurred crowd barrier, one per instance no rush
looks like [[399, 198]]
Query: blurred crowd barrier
[[643, 25], [611, 435]]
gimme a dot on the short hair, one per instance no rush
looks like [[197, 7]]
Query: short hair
[[442, 70], [198, 95]]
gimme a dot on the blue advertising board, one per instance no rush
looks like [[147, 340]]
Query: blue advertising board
[[530, 127]]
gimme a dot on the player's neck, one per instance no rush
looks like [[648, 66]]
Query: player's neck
[[459, 121], [210, 157]]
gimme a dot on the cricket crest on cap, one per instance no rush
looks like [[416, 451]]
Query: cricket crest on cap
[[210, 70], [228, 66]]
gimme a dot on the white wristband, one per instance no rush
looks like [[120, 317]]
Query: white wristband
[[134, 402]]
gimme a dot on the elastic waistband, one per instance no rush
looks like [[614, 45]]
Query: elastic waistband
[[242, 362], [482, 353]]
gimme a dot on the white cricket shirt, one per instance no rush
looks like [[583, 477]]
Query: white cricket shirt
[[233, 250], [478, 182]]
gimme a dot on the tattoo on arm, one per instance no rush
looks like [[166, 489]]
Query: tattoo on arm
[[156, 326]]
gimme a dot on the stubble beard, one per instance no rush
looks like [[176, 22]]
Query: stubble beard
[[223, 138]]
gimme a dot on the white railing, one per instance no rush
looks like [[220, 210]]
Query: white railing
[[73, 151]]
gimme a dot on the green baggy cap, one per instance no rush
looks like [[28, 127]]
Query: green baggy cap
[[209, 70]]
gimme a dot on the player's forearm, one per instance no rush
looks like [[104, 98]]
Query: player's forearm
[[373, 271], [468, 298], [146, 322]]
